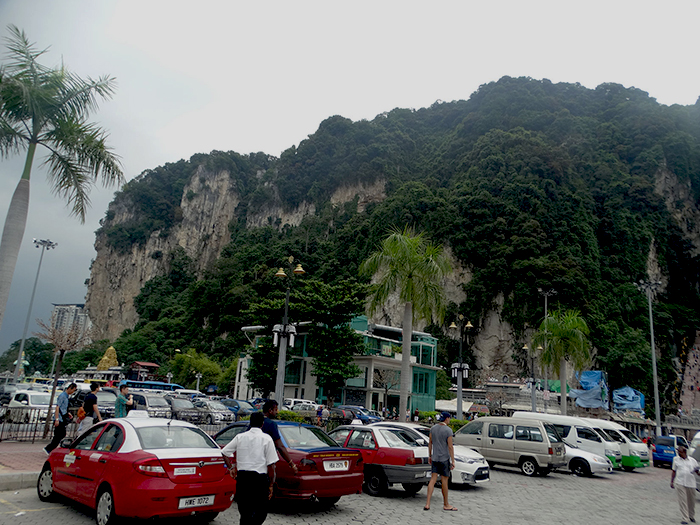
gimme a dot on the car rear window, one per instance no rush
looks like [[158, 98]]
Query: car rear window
[[158, 402], [301, 437], [665, 441], [171, 436]]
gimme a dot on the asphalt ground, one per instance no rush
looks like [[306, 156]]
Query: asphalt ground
[[637, 498]]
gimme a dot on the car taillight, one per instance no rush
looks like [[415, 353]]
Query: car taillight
[[307, 465], [413, 460], [150, 467], [551, 451], [653, 448]]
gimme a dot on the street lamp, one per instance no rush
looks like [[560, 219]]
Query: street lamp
[[198, 375], [44, 244], [533, 394], [650, 288], [458, 369], [284, 332], [546, 294], [169, 375]]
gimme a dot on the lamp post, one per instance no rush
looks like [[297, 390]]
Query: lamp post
[[650, 288], [169, 375], [198, 375], [533, 394], [546, 294], [458, 368], [44, 244], [284, 332]]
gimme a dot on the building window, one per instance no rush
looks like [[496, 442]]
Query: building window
[[359, 381]]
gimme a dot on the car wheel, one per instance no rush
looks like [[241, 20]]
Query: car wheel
[[580, 468], [210, 420], [327, 503], [656, 463], [44, 485], [206, 517], [628, 469], [412, 488], [528, 466], [104, 514], [376, 482]]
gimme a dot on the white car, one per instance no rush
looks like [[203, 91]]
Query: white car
[[470, 466], [584, 463], [28, 406]]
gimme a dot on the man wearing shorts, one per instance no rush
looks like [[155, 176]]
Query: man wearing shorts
[[441, 456]]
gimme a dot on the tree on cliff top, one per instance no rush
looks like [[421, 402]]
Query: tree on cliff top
[[49, 107]]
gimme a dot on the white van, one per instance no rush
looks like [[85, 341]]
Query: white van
[[582, 434], [634, 453]]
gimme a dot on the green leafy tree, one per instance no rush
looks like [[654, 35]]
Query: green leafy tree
[[443, 385], [409, 265], [564, 336], [48, 107], [262, 371], [186, 365]]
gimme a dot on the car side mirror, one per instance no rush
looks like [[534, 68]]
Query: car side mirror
[[422, 442], [65, 443], [24, 402]]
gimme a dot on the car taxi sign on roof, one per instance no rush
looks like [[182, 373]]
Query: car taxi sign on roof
[[137, 414]]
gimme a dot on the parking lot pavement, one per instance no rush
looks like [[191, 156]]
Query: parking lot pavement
[[638, 498]]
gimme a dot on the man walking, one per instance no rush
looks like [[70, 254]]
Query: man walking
[[92, 412], [124, 399], [253, 467], [270, 410], [441, 455], [61, 418]]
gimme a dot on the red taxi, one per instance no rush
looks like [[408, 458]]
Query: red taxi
[[140, 467], [326, 471], [391, 455]]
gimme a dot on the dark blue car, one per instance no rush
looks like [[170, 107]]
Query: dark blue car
[[663, 450], [362, 414]]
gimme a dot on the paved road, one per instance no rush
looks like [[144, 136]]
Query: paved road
[[637, 498]]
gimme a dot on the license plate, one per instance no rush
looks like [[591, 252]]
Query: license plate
[[198, 501], [331, 466], [184, 471], [558, 452]]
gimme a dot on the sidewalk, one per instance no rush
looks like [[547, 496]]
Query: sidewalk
[[20, 464]]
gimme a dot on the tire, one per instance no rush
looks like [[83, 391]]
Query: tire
[[580, 468], [656, 463], [376, 483], [206, 517], [44, 485], [412, 488], [528, 466], [104, 510], [327, 503], [628, 469]]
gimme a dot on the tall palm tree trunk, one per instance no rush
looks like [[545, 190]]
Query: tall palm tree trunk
[[11, 242], [562, 385], [406, 379]]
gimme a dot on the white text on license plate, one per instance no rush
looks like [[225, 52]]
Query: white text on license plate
[[197, 501], [336, 465]]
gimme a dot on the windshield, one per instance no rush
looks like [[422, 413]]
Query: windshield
[[398, 438], [552, 433], [246, 406], [630, 435], [40, 399], [604, 435], [301, 437], [182, 404], [106, 398], [157, 402], [215, 405], [168, 436]]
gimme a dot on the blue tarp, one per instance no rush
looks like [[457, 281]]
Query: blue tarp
[[627, 398], [589, 379], [594, 393]]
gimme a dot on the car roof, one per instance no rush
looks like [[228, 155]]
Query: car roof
[[142, 422]]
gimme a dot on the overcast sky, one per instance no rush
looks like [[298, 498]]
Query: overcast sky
[[261, 76]]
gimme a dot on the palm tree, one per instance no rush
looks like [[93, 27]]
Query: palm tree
[[49, 107], [565, 336], [409, 264]]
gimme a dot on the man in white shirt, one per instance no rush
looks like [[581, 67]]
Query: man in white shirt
[[683, 476], [253, 467]]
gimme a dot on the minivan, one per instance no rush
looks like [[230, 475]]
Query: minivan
[[634, 452], [533, 446], [581, 433]]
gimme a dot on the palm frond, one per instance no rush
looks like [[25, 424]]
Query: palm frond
[[70, 181]]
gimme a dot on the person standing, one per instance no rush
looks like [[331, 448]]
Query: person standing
[[253, 468], [92, 412], [683, 476], [61, 418], [124, 399], [441, 456], [269, 427]]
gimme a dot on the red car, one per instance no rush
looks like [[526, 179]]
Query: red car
[[140, 467], [326, 471], [391, 455]]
